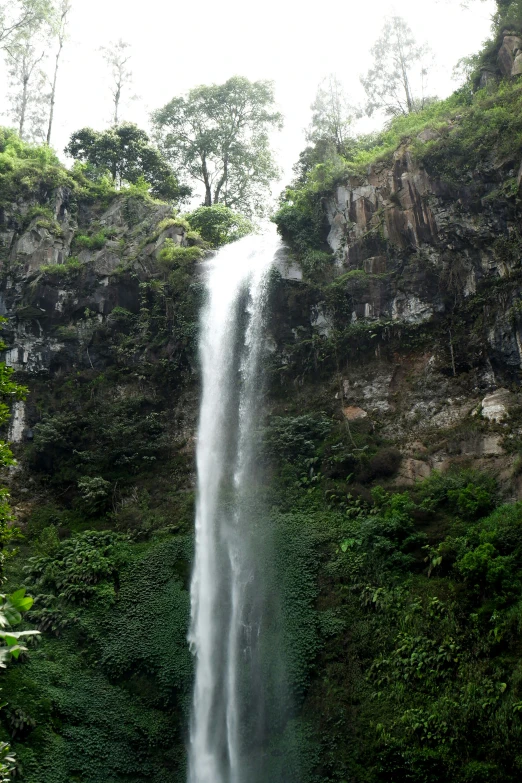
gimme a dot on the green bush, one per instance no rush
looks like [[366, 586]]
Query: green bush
[[466, 492], [95, 242], [74, 570], [296, 438], [219, 225], [71, 267], [301, 222], [94, 492], [28, 171], [172, 255]]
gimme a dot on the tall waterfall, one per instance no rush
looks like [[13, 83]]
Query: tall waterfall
[[227, 605]]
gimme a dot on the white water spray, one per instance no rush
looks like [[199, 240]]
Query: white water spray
[[226, 608]]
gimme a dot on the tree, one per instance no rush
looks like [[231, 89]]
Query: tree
[[17, 15], [329, 135], [60, 31], [25, 54], [218, 135], [508, 15], [332, 117], [126, 155], [398, 69], [117, 56], [219, 225]]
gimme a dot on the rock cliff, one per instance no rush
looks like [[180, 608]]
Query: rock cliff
[[423, 314]]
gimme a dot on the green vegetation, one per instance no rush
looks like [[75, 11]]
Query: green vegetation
[[13, 606], [26, 169], [125, 154], [12, 644], [399, 608], [411, 669], [218, 136], [172, 255], [509, 15], [219, 225], [71, 267], [105, 695], [95, 242]]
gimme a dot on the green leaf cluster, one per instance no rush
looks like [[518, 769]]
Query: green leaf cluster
[[218, 225]]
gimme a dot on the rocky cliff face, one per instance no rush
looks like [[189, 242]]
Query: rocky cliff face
[[427, 292], [428, 284], [400, 216], [52, 305]]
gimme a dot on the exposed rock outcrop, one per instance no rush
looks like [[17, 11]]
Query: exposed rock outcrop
[[53, 314], [425, 244], [510, 54]]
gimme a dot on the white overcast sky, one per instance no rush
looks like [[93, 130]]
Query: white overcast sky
[[295, 43]]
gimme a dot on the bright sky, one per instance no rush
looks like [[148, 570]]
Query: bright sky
[[296, 43]]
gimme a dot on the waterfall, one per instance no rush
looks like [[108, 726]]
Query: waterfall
[[227, 605]]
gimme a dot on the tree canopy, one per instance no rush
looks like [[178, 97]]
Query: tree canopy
[[126, 155], [219, 224], [330, 134], [396, 82], [218, 135], [17, 15]]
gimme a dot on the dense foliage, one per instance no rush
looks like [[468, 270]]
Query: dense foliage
[[219, 225], [218, 136], [126, 155]]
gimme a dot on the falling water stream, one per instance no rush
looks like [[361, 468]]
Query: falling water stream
[[227, 606]]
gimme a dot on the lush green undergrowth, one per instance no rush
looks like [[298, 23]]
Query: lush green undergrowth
[[104, 696], [415, 671], [399, 610], [400, 621]]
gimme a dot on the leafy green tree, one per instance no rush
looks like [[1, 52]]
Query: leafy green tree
[[396, 82], [126, 155], [218, 135], [509, 14], [219, 225]]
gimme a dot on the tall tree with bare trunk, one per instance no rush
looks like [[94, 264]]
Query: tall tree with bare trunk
[[60, 33], [117, 57], [25, 55], [396, 84]]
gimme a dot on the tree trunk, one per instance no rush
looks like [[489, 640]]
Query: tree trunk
[[222, 181], [206, 180], [23, 106], [53, 92], [117, 96], [61, 39], [404, 72]]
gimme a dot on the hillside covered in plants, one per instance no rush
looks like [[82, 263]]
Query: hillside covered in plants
[[389, 458]]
